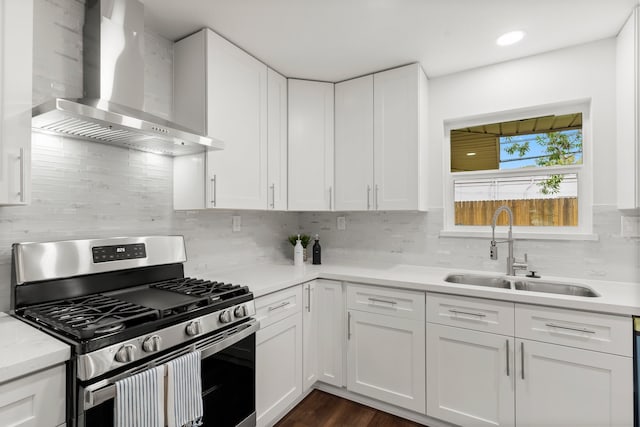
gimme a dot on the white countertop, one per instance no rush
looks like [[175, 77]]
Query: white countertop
[[24, 349], [615, 297]]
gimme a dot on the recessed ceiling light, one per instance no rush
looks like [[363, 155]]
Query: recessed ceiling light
[[510, 38], [471, 154]]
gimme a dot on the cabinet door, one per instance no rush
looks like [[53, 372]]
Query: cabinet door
[[16, 51], [628, 122], [310, 145], [396, 138], [386, 359], [277, 141], [309, 335], [329, 306], [565, 386], [278, 368], [471, 376], [236, 114], [36, 400], [354, 144]]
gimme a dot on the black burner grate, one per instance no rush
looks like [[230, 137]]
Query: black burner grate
[[86, 317], [202, 288]]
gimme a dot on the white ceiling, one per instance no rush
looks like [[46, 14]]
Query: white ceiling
[[333, 40]]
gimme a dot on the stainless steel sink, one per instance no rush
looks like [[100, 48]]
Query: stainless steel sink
[[479, 280], [520, 284], [555, 288]]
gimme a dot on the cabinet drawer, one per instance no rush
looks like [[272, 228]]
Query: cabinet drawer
[[393, 302], [278, 305], [471, 313], [591, 331]]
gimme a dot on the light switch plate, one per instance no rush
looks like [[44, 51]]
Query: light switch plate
[[342, 223], [236, 223]]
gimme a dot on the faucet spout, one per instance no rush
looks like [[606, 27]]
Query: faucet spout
[[509, 241]]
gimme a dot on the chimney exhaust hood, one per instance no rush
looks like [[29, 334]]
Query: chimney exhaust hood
[[111, 112]]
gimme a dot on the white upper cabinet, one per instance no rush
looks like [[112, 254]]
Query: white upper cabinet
[[234, 110], [354, 144], [16, 63], [277, 141], [310, 146], [628, 113], [381, 141], [400, 138]]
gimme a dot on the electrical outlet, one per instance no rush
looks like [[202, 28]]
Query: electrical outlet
[[342, 223], [630, 226], [236, 223]]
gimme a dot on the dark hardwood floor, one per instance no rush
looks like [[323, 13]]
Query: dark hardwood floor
[[321, 409]]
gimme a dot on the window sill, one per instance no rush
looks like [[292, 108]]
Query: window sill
[[520, 235]]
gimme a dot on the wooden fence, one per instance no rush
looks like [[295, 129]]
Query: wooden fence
[[542, 212]]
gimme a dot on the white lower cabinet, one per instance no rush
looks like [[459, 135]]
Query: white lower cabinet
[[329, 304], [470, 376], [565, 386], [309, 335], [278, 355], [37, 400], [386, 353]]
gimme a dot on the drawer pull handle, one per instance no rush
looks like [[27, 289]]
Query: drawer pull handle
[[508, 373], [467, 312], [275, 307], [585, 330], [386, 301], [348, 325]]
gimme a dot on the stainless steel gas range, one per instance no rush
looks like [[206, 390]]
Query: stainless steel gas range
[[124, 306]]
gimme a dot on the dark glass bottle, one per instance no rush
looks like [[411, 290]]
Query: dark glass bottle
[[316, 251]]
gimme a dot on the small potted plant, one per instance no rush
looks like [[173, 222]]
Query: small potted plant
[[304, 241]]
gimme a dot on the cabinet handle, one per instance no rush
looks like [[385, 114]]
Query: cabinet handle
[[348, 325], [377, 197], [522, 357], [330, 197], [467, 312], [382, 300], [213, 191], [275, 307], [368, 197], [273, 196], [22, 196], [309, 299], [585, 330], [508, 373]]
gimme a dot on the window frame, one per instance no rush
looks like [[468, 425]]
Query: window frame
[[584, 172]]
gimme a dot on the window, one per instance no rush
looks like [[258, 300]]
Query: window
[[535, 165]]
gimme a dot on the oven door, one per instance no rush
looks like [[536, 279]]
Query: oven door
[[228, 381]]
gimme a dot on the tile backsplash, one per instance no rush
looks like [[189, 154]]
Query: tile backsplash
[[413, 238]]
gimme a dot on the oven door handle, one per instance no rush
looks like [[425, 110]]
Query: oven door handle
[[104, 390]]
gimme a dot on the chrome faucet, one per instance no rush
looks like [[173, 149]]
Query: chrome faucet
[[512, 264]]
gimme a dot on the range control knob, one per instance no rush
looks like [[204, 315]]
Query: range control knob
[[240, 311], [225, 316], [193, 328], [125, 354], [151, 344]]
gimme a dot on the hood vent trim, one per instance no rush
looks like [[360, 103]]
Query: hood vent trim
[[109, 123]]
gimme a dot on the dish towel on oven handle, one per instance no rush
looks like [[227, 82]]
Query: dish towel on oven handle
[[139, 400], [184, 391]]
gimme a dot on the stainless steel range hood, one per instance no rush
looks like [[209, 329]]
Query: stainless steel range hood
[[111, 111]]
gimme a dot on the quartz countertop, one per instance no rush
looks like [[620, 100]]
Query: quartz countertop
[[620, 298], [24, 349]]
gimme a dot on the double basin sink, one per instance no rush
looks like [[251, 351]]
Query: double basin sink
[[522, 284]]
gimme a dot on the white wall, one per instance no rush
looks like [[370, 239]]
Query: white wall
[[576, 73]]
